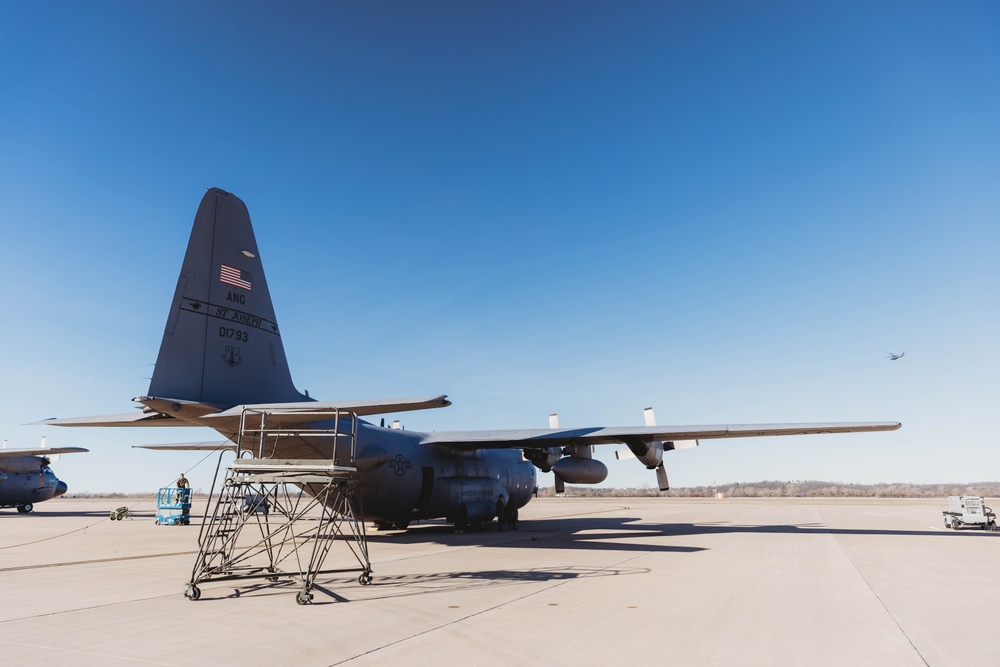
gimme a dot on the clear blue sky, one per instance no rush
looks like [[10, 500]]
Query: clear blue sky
[[730, 211]]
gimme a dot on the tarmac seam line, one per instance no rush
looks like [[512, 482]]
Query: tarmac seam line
[[77, 652], [868, 584], [94, 560], [517, 599], [487, 610]]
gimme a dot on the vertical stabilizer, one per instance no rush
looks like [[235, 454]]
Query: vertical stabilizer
[[222, 345]]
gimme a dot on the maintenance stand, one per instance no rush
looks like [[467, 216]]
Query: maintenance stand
[[279, 517]]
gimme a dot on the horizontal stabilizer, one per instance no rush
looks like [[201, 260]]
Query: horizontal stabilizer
[[214, 446], [622, 434], [125, 419], [47, 451], [310, 409], [161, 411]]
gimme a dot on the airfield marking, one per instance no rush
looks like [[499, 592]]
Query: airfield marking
[[95, 560]]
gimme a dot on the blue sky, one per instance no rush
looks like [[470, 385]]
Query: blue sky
[[729, 211]]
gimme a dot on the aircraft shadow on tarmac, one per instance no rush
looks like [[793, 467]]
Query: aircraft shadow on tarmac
[[682, 529], [620, 533], [38, 514], [423, 583], [600, 533]]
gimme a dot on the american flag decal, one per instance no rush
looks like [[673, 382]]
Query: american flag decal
[[235, 277]]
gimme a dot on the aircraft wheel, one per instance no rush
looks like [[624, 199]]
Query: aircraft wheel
[[955, 524], [192, 592], [365, 578], [271, 578], [25, 508], [303, 597], [157, 522], [401, 525]]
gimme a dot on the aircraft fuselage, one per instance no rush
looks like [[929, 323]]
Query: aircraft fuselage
[[402, 480], [25, 481]]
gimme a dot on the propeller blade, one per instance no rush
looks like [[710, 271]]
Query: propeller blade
[[54, 457], [621, 454], [560, 486], [661, 478], [553, 420], [650, 416]]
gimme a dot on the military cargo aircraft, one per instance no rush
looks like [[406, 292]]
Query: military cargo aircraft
[[222, 354], [25, 476]]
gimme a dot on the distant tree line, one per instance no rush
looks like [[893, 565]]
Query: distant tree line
[[766, 489], [793, 489]]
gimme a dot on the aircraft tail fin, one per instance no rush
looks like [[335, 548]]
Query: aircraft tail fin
[[222, 345]]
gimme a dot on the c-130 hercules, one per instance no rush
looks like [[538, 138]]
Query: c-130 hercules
[[222, 353]]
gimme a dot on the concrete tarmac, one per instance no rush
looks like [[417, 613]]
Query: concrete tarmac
[[583, 581]]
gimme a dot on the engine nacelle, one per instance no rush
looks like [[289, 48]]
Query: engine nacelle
[[20, 465], [579, 470], [544, 459], [649, 454]]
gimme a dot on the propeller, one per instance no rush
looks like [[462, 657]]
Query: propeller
[[661, 473], [560, 486]]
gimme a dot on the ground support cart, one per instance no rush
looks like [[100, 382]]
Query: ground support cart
[[173, 506], [279, 518], [969, 511]]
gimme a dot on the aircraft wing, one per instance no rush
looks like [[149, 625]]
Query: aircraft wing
[[563, 437], [11, 453], [213, 446]]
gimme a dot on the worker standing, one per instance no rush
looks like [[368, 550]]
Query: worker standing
[[182, 483], [501, 512], [511, 514]]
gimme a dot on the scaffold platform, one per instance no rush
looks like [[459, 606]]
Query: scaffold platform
[[277, 518]]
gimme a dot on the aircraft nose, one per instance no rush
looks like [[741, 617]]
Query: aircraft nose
[[61, 488]]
